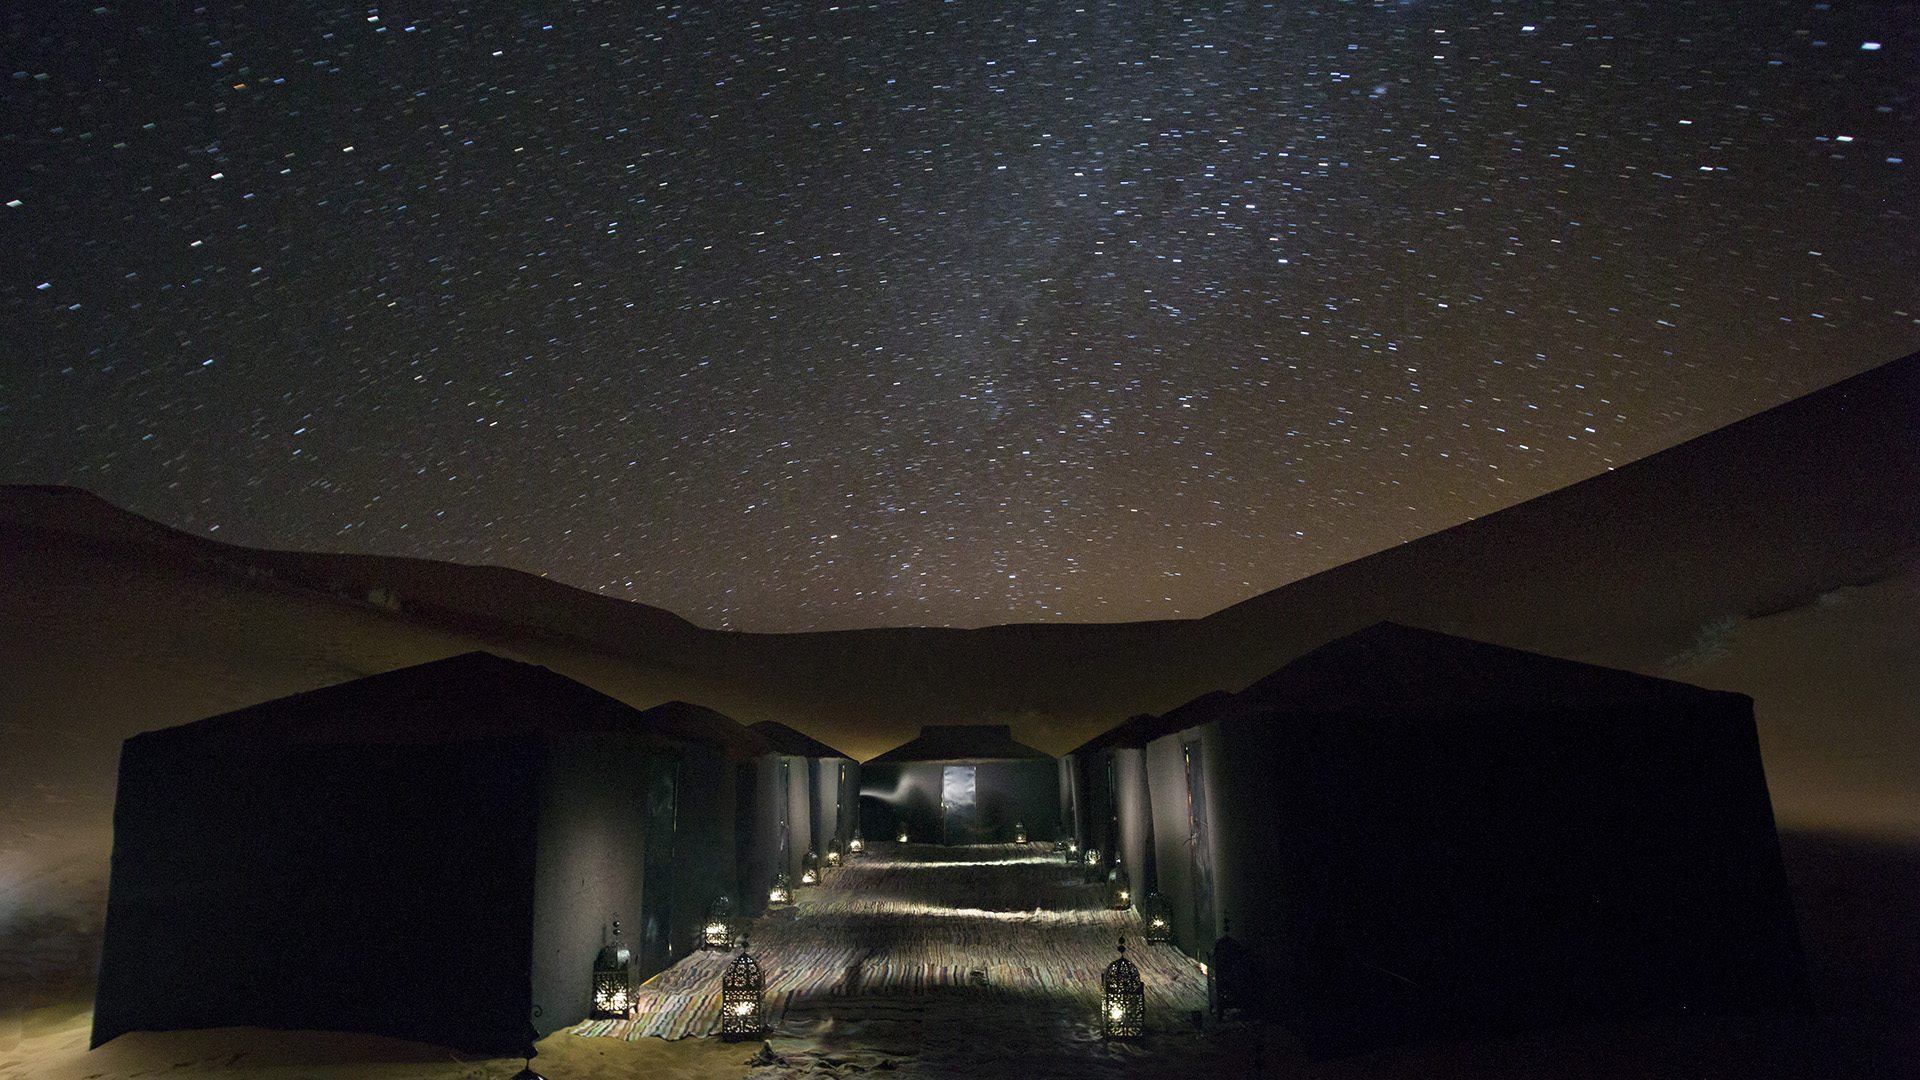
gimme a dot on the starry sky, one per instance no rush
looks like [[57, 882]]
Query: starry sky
[[815, 316]]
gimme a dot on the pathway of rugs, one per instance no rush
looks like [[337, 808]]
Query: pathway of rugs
[[1001, 922]]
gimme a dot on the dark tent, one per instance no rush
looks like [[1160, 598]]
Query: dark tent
[[960, 784], [1109, 795], [1423, 837], [812, 792], [434, 853]]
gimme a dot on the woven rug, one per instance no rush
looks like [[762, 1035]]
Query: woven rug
[[999, 922]]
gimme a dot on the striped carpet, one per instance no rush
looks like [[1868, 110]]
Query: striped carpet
[[995, 923]]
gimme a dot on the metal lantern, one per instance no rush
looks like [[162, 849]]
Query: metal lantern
[[1093, 863], [833, 854], [1019, 832], [1119, 888], [1159, 921], [857, 846], [1072, 848], [810, 869], [1124, 999], [743, 1009], [719, 930], [782, 891], [613, 978], [900, 832], [1232, 984]]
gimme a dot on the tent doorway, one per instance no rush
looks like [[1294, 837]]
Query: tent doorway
[[956, 804]]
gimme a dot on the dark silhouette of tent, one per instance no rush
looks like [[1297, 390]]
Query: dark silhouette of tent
[[961, 784], [434, 853], [812, 792], [1421, 837]]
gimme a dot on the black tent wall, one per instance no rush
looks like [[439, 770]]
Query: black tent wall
[[835, 791], [1421, 877], [1134, 841], [378, 888], [797, 775], [766, 817], [1069, 799], [594, 843], [433, 853], [897, 793], [704, 856], [1017, 791], [1006, 792], [1185, 837]]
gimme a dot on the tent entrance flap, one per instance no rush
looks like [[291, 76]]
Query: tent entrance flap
[[956, 803]]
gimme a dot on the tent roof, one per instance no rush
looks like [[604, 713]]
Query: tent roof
[[786, 740], [962, 742], [1137, 731], [474, 695], [1391, 668]]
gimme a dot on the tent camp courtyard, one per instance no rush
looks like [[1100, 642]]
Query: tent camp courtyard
[[936, 960]]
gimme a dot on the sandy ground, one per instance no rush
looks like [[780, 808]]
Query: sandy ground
[[952, 1040]]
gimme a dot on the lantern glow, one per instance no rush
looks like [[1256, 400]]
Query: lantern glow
[[857, 846], [718, 933], [1125, 997], [1019, 832], [810, 868], [613, 979], [833, 854], [1159, 924], [782, 891], [742, 999]]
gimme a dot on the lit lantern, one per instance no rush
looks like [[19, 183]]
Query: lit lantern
[[1019, 832], [1124, 999], [743, 1011], [782, 891], [1232, 986], [857, 846], [810, 869], [900, 832], [833, 854], [1119, 888], [719, 931], [1159, 921], [1093, 865], [613, 979], [1072, 848]]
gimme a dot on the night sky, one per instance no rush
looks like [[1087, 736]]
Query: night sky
[[804, 316]]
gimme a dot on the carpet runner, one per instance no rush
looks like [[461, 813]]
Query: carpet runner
[[1000, 924]]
